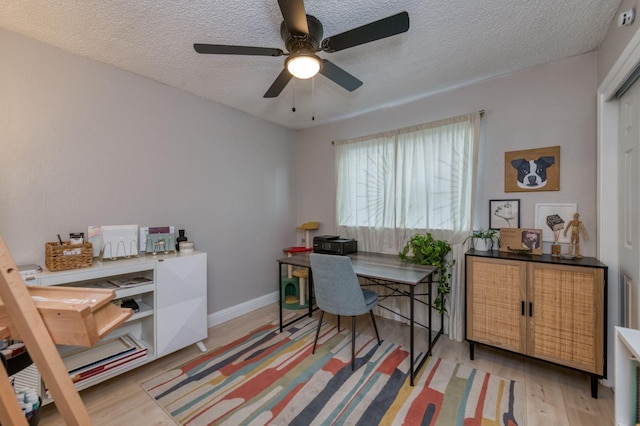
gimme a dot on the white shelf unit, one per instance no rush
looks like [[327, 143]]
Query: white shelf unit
[[627, 356], [172, 305]]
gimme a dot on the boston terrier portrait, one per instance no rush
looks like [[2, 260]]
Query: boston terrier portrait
[[530, 239], [532, 174]]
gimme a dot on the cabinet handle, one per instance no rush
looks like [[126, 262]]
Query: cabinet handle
[[530, 309], [522, 307]]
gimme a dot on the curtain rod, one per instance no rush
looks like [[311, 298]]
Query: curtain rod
[[481, 112]]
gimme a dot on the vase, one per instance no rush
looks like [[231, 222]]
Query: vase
[[180, 238], [482, 244], [555, 249]]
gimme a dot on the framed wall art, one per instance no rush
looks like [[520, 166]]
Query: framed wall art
[[532, 170], [504, 214], [552, 219]]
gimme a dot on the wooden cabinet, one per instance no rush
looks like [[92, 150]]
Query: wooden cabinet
[[539, 306]]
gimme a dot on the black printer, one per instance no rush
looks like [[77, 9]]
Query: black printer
[[333, 244]]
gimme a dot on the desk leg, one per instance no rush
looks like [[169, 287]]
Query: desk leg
[[310, 292], [411, 338], [430, 301], [280, 293]]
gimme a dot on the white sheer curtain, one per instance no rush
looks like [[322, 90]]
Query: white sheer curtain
[[420, 179]]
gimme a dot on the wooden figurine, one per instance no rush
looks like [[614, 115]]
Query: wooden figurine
[[576, 226]]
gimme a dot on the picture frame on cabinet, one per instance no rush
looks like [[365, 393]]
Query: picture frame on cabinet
[[504, 214], [552, 218], [521, 240]]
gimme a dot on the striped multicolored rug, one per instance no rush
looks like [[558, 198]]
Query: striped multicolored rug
[[269, 377]]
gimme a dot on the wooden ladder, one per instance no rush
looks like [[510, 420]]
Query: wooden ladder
[[25, 321]]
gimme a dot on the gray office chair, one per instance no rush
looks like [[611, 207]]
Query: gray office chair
[[338, 292]]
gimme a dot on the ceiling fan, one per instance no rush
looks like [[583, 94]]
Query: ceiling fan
[[302, 36]]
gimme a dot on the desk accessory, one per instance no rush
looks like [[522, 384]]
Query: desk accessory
[[333, 244], [113, 241], [157, 239], [62, 257], [181, 238], [29, 269], [186, 246]]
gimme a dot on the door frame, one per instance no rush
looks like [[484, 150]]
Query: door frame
[[608, 111]]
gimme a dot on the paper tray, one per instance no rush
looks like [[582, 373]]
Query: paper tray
[[73, 315]]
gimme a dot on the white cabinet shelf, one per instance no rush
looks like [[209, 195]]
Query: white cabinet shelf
[[133, 291], [627, 356], [172, 305]]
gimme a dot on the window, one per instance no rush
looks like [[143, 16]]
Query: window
[[395, 184]]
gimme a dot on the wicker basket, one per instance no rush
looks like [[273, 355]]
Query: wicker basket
[[68, 256]]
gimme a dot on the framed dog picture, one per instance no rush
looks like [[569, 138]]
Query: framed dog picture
[[504, 214], [521, 240], [532, 170]]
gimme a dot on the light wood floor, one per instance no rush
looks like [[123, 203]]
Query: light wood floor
[[555, 396]]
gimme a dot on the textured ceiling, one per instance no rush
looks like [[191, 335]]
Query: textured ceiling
[[449, 43]]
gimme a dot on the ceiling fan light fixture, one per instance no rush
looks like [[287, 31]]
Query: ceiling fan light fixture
[[303, 65]]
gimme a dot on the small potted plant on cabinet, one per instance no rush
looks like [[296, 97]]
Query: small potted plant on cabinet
[[483, 240]]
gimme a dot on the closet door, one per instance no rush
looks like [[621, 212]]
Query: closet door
[[629, 205]]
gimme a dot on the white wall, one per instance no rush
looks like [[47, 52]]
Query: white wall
[[82, 143], [547, 105]]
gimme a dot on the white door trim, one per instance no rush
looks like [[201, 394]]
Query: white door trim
[[607, 182]]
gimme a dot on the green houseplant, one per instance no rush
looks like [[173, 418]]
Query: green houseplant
[[484, 240], [423, 249]]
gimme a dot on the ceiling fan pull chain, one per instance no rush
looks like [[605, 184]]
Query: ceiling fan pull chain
[[313, 98], [293, 102]]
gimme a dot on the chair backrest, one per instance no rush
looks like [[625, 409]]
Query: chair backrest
[[336, 285]]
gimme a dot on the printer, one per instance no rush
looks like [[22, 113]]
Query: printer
[[333, 244]]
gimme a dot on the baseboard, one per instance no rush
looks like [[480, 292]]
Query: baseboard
[[241, 309]]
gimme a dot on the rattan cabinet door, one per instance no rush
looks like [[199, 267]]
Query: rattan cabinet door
[[496, 291], [565, 325]]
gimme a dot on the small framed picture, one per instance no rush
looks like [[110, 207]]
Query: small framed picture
[[504, 214], [521, 240], [553, 218]]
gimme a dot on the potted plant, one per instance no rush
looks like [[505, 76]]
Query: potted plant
[[423, 249], [483, 240]]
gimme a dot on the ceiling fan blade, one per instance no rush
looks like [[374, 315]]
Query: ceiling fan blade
[[280, 83], [221, 49], [339, 76], [383, 28], [295, 17]]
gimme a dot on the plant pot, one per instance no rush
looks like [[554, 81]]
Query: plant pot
[[482, 244]]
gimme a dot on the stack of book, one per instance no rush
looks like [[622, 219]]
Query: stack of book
[[89, 366], [130, 282]]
